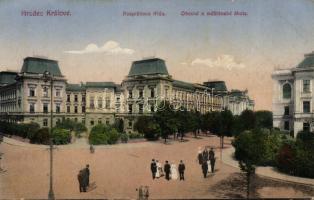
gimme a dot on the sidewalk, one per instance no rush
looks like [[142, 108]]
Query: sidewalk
[[270, 172]]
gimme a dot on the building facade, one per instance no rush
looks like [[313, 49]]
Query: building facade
[[293, 97], [25, 96]]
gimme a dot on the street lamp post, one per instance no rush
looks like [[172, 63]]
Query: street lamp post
[[49, 77]]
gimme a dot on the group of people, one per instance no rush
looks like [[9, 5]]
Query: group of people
[[83, 178], [206, 158], [170, 171]]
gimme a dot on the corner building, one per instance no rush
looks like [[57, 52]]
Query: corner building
[[25, 96], [293, 97]]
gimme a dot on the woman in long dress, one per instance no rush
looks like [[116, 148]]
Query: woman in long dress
[[159, 169], [174, 172]]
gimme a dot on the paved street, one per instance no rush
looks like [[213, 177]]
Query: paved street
[[116, 172]]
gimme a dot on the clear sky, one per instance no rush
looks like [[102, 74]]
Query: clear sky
[[98, 43]]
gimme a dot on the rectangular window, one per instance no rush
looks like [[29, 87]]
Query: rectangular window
[[130, 108], [152, 108], [140, 94], [45, 122], [286, 110], [306, 126], [68, 109], [91, 103], [306, 107], [83, 109], [130, 94], [92, 122], [58, 92], [75, 119], [75, 98], [99, 102], [306, 85], [107, 121], [45, 92], [83, 98], [31, 92], [68, 98], [32, 108], [286, 126], [140, 108], [45, 108], [75, 109], [130, 124], [107, 102], [83, 121], [152, 92], [57, 108], [99, 121]]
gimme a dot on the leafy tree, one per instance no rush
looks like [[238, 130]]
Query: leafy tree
[[165, 117], [41, 136], [61, 136], [119, 125], [102, 134], [148, 126], [264, 119], [182, 117], [226, 118]]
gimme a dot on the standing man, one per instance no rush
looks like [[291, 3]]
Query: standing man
[[87, 173], [167, 170], [212, 159], [204, 168], [181, 169], [205, 154], [153, 168], [80, 178]]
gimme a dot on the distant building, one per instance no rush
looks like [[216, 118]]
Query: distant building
[[25, 96], [293, 97]]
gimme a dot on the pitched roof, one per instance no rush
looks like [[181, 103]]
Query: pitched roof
[[7, 77], [308, 61], [100, 85], [36, 65], [182, 84], [75, 87], [217, 85], [148, 67]]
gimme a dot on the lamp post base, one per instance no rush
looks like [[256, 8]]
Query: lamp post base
[[51, 195]]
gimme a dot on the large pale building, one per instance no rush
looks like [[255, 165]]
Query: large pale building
[[25, 96], [293, 97]]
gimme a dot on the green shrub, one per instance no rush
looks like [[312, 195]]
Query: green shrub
[[102, 134], [72, 126], [135, 135], [61, 136], [124, 137], [41, 136]]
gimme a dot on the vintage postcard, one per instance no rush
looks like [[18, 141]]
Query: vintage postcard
[[178, 99]]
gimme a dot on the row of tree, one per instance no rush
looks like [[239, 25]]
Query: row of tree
[[169, 121], [61, 133]]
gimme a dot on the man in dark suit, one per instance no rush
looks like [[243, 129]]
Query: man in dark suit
[[167, 170], [205, 168], [181, 169], [87, 173], [153, 168], [212, 159], [205, 155], [80, 178]]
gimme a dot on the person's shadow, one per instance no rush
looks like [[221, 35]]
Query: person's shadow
[[92, 186]]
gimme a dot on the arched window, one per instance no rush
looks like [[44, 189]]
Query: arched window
[[286, 91]]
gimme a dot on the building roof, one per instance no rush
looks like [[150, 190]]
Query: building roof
[[182, 84], [7, 77], [148, 67], [36, 65], [217, 85], [75, 87], [308, 61], [238, 93], [100, 85]]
